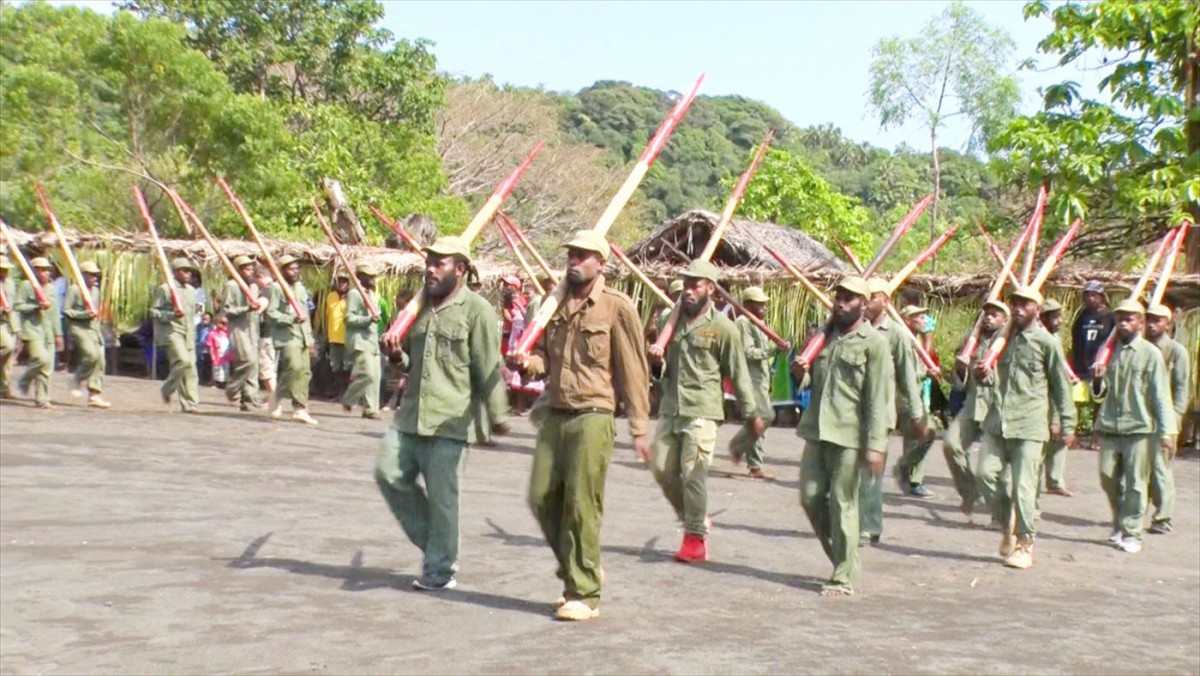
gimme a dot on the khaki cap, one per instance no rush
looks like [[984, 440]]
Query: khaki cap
[[1131, 306], [855, 285], [286, 260], [41, 262], [588, 240], [1159, 310], [755, 294], [182, 263], [879, 285], [242, 261], [1051, 305], [5, 264], [675, 287], [449, 246], [1028, 293], [999, 305], [341, 274], [366, 269], [89, 267], [913, 311], [701, 270]]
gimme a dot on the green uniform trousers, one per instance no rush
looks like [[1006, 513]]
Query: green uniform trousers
[[1054, 458], [1125, 466], [1009, 473], [89, 352], [829, 495], [683, 451], [183, 378], [243, 376], [566, 495], [1162, 488], [915, 450], [364, 381], [8, 354], [870, 504], [428, 513], [295, 374], [39, 367], [962, 433], [748, 446]]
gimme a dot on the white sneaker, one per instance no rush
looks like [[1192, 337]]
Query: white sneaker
[[1115, 538], [1131, 545], [302, 416], [277, 412]]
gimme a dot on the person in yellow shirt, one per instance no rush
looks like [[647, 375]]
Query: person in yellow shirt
[[335, 333]]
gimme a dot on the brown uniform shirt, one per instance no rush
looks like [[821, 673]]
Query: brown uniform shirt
[[592, 349]]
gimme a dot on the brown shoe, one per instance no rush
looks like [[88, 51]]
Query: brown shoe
[[760, 473], [1059, 490]]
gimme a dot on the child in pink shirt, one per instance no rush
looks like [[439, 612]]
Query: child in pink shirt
[[218, 345]]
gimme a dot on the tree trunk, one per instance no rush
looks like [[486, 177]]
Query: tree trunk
[[937, 195], [345, 222]]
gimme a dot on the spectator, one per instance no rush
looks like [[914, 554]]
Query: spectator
[[218, 347], [1088, 333], [204, 363]]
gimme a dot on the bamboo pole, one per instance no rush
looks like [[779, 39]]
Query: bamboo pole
[[23, 264], [186, 214], [72, 264], [524, 239], [641, 276], [535, 327], [807, 283], [397, 228], [516, 249], [1036, 223], [159, 254], [284, 287], [1168, 268], [337, 249], [997, 253]]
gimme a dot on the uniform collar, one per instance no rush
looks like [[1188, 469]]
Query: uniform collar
[[689, 325]]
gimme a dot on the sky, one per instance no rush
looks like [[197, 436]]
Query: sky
[[807, 59]]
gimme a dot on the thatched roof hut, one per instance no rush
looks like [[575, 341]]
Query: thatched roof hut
[[741, 253]]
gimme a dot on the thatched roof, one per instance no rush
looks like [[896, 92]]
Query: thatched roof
[[741, 252]]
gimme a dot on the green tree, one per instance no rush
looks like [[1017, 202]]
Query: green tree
[[1130, 164], [954, 68]]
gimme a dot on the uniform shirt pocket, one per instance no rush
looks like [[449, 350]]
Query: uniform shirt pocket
[[451, 340], [596, 342]]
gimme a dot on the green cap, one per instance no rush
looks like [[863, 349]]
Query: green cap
[[587, 240], [286, 260], [341, 274], [449, 246], [1132, 306], [879, 285], [1051, 305], [242, 261], [1028, 293], [701, 270], [999, 305], [675, 287], [855, 285], [755, 294], [40, 262], [911, 311], [182, 263], [1159, 310], [5, 264], [89, 267], [366, 269]]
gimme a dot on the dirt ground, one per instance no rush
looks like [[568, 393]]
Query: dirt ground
[[141, 541]]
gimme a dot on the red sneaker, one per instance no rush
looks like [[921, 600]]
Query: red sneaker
[[693, 549]]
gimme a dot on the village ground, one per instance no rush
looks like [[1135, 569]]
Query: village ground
[[141, 541]]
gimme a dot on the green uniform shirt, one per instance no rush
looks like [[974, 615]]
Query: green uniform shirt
[[243, 320], [759, 351], [453, 353], [1136, 398], [1178, 366], [362, 332], [978, 394], [163, 313], [76, 312], [10, 319], [1031, 377], [1055, 413], [700, 354], [851, 404], [37, 324], [284, 327], [909, 404]]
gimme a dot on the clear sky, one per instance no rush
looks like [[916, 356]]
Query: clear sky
[[807, 59]]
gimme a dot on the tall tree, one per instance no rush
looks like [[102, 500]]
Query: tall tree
[[1129, 164], [956, 68]]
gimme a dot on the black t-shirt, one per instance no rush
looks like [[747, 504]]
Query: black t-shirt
[[1090, 331]]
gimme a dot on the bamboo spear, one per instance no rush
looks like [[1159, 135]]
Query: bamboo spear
[[1035, 223], [284, 287], [405, 318], [535, 327], [159, 254], [524, 239], [19, 257], [337, 248], [72, 264], [807, 283], [1160, 288], [516, 249], [397, 228], [998, 253], [810, 351], [714, 239], [641, 276], [917, 262], [186, 214]]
